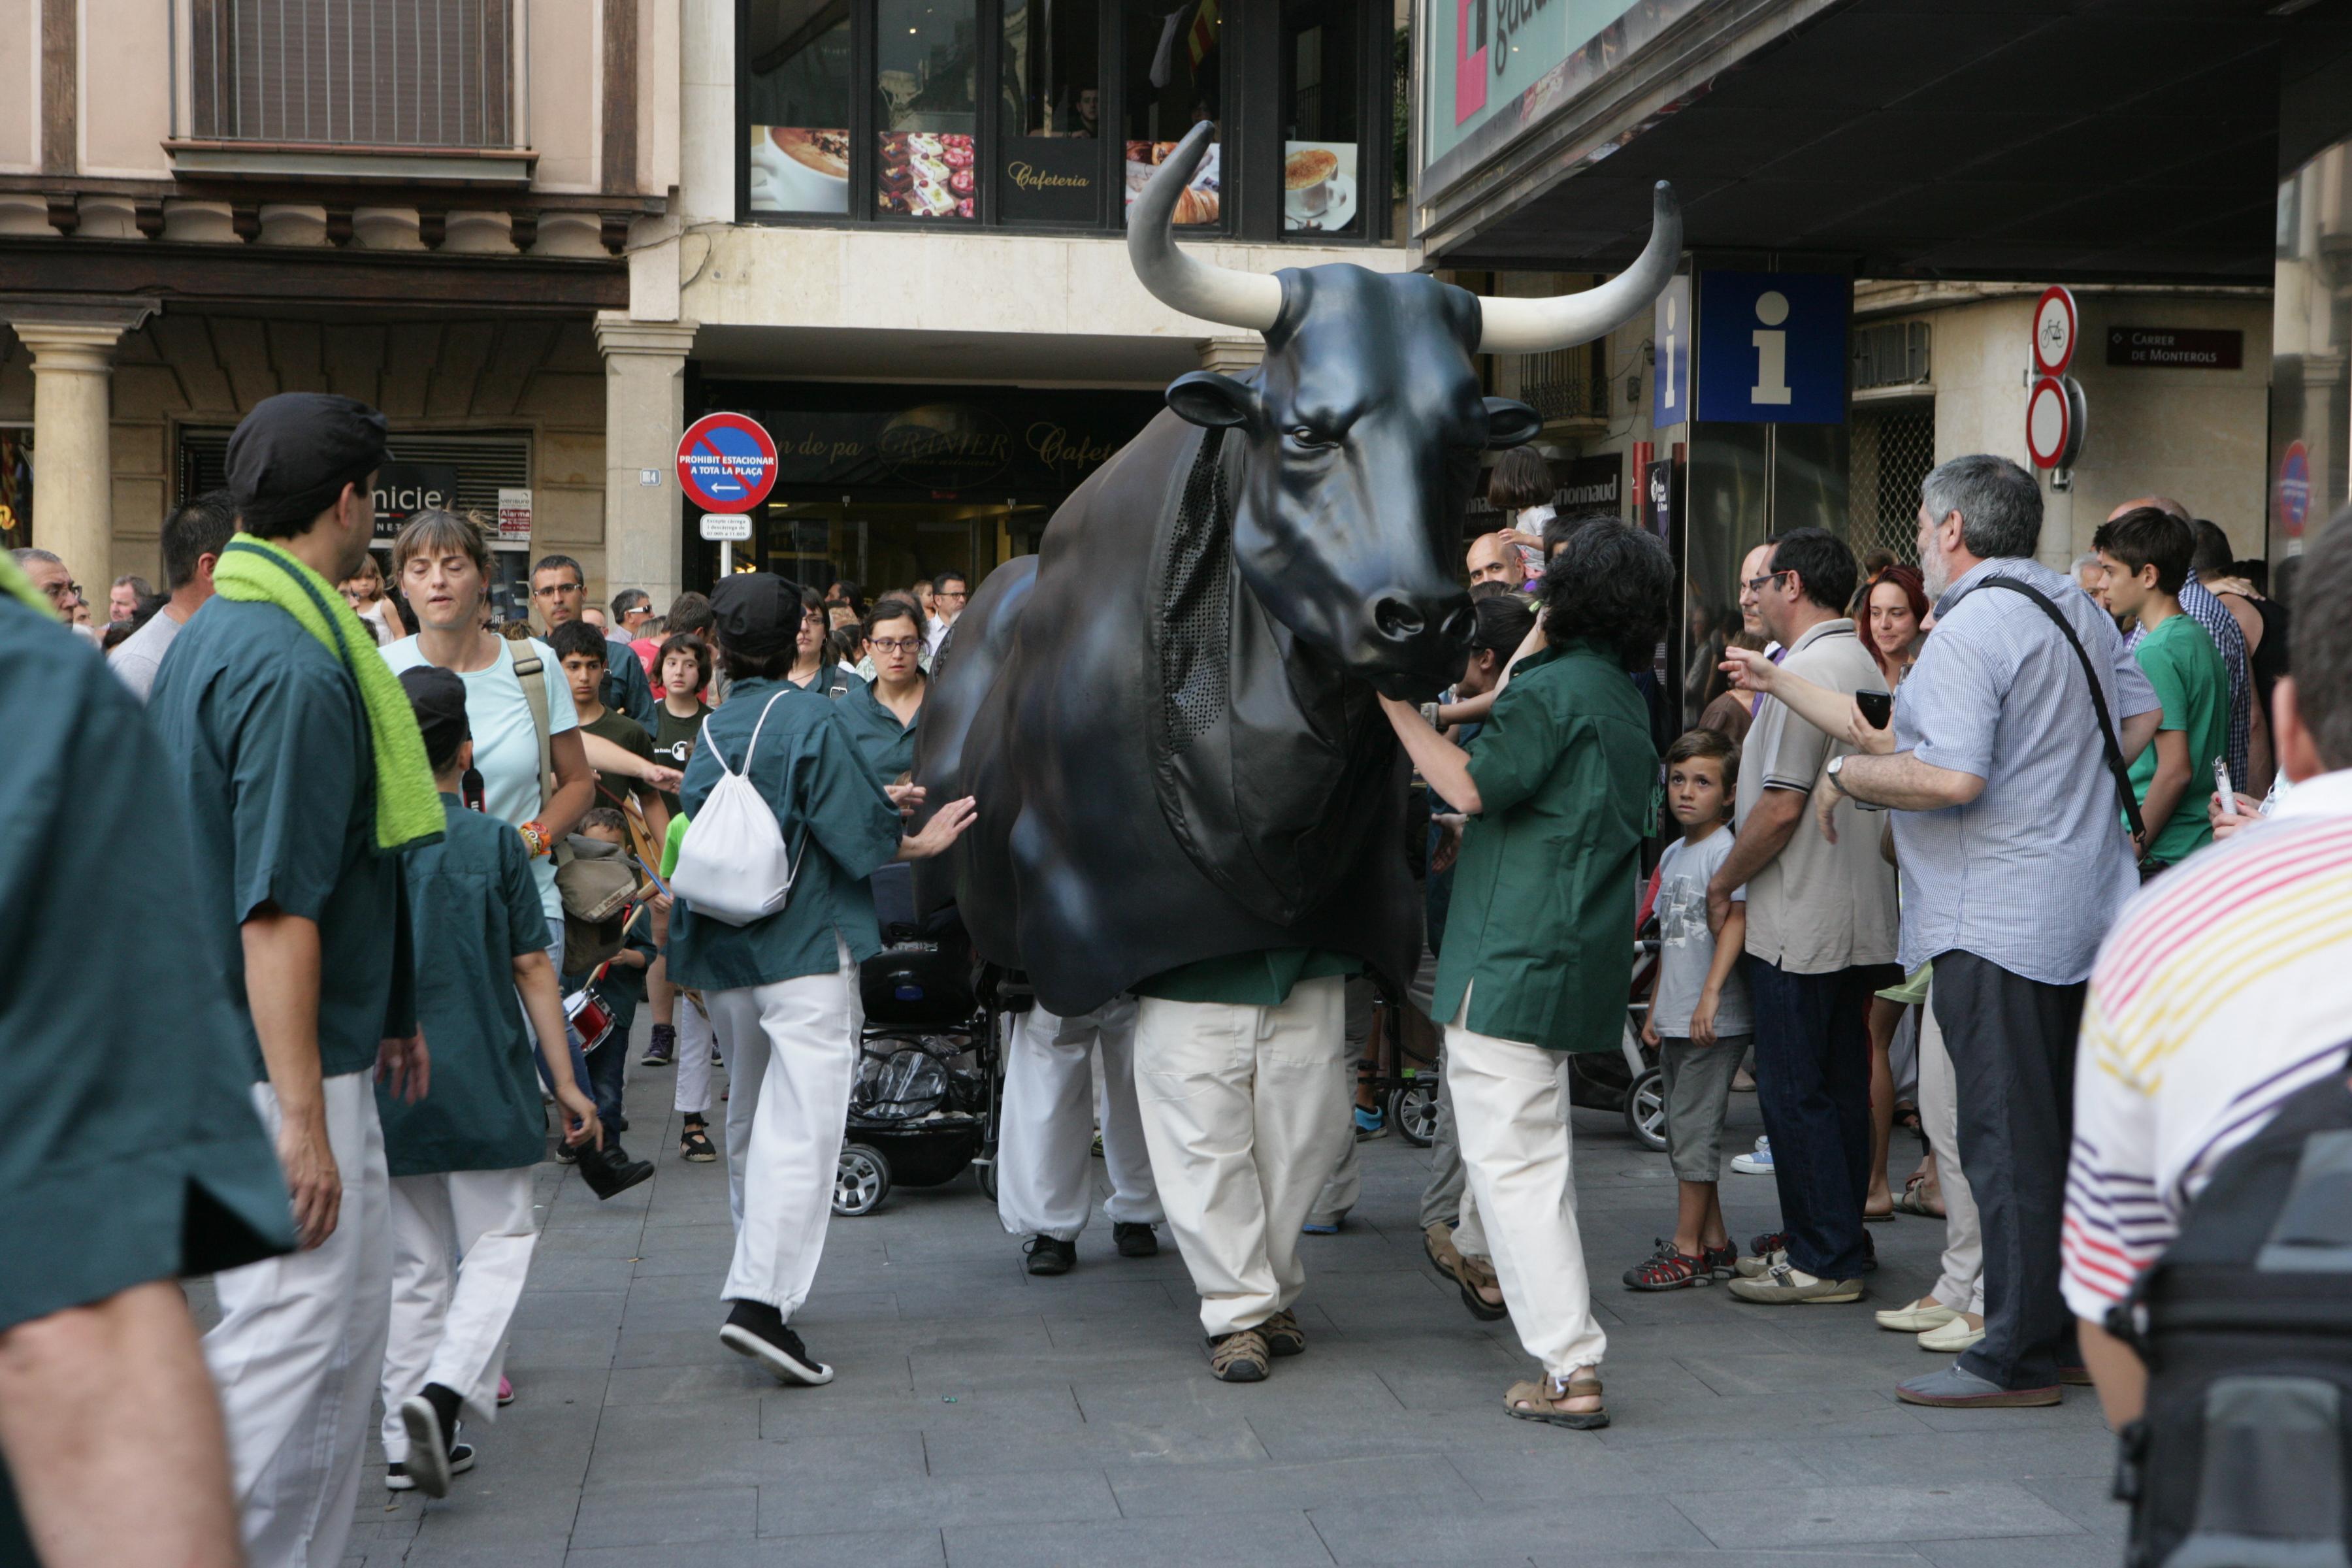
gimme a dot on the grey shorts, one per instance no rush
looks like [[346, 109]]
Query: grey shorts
[[1698, 1094]]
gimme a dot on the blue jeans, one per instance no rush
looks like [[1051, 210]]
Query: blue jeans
[[1813, 1084]]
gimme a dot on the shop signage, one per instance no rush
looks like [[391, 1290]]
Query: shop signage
[[1033, 444], [1050, 180], [2177, 348], [2294, 489], [726, 462], [1670, 401], [403, 490], [514, 517], [1771, 347]]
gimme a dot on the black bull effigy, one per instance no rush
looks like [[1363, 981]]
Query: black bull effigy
[[1167, 716]]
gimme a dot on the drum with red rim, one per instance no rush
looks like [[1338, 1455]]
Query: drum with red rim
[[590, 1020]]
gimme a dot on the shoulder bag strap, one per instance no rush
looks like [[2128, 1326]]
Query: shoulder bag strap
[[2116, 764], [530, 674]]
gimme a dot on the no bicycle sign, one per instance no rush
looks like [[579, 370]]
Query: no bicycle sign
[[725, 463]]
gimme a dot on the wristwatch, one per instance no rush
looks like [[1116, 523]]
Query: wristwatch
[[1831, 773]]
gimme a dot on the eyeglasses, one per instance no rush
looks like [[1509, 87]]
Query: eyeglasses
[[1756, 584], [950, 593], [553, 589], [59, 593], [894, 644]]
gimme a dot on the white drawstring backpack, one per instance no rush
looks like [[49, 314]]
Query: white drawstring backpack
[[732, 865]]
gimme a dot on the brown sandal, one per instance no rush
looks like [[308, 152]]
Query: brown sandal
[[1475, 1275], [1540, 1401]]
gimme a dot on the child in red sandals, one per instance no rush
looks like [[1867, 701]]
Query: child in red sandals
[[1699, 1012]]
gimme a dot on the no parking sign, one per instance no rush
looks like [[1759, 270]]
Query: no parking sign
[[725, 463]]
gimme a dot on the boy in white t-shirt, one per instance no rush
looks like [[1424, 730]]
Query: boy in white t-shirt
[[1698, 1011]]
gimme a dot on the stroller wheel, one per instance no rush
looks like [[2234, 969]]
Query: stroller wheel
[[1412, 1110], [1645, 1108], [861, 1181], [985, 1172]]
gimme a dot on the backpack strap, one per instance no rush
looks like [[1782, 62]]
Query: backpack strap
[[2117, 766], [530, 674]]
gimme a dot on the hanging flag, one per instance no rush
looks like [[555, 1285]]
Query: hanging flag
[[1202, 38]]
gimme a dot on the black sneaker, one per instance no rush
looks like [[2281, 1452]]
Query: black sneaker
[[430, 1416], [609, 1170], [1047, 1255], [566, 1153], [396, 1478], [1135, 1239], [662, 1050], [756, 1330]]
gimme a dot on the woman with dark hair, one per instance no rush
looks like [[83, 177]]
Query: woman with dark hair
[[814, 667], [1557, 790], [1520, 485], [1893, 608], [882, 715]]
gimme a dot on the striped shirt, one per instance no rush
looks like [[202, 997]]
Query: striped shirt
[[2224, 987], [2198, 603]]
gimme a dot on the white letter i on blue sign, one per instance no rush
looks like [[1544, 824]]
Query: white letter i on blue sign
[[1771, 349]]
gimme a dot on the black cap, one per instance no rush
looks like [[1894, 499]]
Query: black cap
[[439, 699], [757, 613], [293, 456]]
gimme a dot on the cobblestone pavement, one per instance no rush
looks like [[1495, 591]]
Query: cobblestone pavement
[[982, 1418]]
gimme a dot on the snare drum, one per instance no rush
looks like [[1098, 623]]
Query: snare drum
[[589, 1019]]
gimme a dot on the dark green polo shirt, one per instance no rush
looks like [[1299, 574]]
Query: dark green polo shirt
[[266, 735], [474, 908], [1261, 979], [886, 745], [836, 819], [1540, 930]]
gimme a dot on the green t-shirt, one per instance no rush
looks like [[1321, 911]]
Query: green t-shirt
[[476, 908], [886, 745], [265, 733], [1540, 930], [129, 1150], [631, 737], [1261, 979], [2179, 659]]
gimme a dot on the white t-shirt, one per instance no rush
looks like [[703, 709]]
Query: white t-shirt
[[506, 740], [138, 656], [1686, 947]]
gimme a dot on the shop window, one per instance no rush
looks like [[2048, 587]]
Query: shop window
[[1321, 117], [797, 98], [1049, 156], [1172, 75], [925, 90]]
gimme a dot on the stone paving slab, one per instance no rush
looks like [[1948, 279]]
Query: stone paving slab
[[983, 1419]]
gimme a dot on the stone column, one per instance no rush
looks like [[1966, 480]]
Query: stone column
[[72, 344], [1234, 355], [644, 414]]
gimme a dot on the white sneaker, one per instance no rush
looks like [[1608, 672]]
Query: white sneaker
[[1756, 1164]]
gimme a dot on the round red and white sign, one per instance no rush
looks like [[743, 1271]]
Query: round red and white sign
[[2049, 420], [2055, 332]]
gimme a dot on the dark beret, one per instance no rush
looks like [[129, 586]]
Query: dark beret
[[295, 451], [439, 695], [757, 613]]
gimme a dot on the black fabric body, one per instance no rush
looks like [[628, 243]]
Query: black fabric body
[[2243, 1458], [1163, 772]]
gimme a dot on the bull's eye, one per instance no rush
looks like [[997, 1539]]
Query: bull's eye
[[1306, 435]]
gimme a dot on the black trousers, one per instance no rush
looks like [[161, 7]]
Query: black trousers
[[1813, 1084], [2013, 1046]]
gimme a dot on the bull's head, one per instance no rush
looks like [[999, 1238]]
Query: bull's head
[[1363, 428]]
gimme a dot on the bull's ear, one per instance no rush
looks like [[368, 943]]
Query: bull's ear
[[1204, 398], [1510, 424]]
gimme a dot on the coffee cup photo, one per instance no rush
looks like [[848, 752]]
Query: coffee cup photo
[[799, 169], [1319, 182]]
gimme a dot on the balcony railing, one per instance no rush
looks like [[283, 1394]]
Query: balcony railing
[[423, 74], [1567, 384]]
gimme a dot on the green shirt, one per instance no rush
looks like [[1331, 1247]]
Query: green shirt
[[837, 822], [886, 745], [2181, 661], [265, 733], [1261, 979], [626, 732], [1540, 932], [474, 908]]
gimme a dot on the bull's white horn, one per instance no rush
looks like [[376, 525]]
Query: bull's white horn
[[1176, 280], [1539, 326]]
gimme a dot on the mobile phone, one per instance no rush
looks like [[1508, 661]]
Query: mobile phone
[[1877, 707], [2222, 783]]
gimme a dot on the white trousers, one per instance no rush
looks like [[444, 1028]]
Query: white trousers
[[450, 1323], [1961, 1284], [298, 1348], [791, 1055], [691, 1059], [1245, 1109], [1044, 1170], [1510, 1111]]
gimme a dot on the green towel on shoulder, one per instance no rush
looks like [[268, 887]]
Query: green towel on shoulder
[[17, 585], [407, 806]]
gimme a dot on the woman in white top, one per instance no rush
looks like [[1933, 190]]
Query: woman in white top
[[364, 589]]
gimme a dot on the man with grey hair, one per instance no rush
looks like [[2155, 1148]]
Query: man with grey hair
[[2089, 573], [51, 576], [2002, 765]]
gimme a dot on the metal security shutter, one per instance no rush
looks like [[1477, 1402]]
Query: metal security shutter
[[484, 464], [383, 73], [1893, 447]]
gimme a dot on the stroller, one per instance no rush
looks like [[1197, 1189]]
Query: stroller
[[931, 1070]]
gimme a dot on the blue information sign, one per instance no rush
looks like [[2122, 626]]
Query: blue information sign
[[1669, 401], [1771, 347]]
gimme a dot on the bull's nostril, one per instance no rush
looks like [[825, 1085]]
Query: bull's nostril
[[1460, 625], [1396, 619]]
